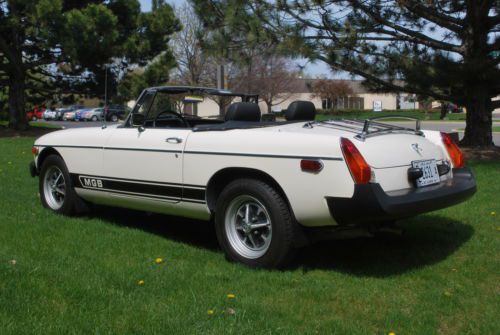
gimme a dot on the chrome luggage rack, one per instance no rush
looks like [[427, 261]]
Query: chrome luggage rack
[[370, 127]]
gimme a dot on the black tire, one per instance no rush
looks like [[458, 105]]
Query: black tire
[[281, 249], [71, 204]]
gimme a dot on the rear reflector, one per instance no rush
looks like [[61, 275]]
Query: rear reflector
[[311, 165], [456, 155], [34, 151], [360, 170]]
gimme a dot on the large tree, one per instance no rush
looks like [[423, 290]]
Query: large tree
[[71, 43], [444, 49], [271, 76]]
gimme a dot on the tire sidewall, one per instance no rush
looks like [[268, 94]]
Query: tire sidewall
[[69, 199], [280, 247]]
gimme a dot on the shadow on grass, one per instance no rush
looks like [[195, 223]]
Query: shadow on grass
[[193, 232], [427, 240]]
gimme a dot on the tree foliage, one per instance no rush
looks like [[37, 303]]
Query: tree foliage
[[445, 49], [67, 45], [331, 90]]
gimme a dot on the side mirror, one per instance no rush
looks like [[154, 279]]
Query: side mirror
[[137, 120]]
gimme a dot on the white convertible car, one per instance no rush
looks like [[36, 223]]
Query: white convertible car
[[269, 186]]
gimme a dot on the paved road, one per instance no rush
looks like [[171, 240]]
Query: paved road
[[446, 126]]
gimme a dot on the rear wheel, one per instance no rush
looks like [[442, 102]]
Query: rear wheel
[[94, 118], [254, 225], [114, 118], [56, 191]]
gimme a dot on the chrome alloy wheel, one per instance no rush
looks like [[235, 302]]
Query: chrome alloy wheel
[[54, 188], [248, 226]]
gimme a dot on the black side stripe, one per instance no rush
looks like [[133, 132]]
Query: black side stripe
[[200, 152], [144, 188]]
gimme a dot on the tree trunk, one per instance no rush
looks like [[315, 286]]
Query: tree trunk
[[269, 107], [478, 119], [17, 114]]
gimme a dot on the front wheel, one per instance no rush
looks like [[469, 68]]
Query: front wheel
[[254, 225], [56, 191]]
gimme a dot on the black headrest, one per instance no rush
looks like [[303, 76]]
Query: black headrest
[[301, 111], [243, 111]]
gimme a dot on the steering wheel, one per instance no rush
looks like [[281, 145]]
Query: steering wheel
[[175, 114]]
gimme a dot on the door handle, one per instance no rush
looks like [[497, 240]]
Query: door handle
[[174, 140]]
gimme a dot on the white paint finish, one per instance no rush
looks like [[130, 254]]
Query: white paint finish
[[184, 209], [160, 166], [276, 151], [396, 150]]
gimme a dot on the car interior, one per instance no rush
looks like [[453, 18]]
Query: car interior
[[163, 108]]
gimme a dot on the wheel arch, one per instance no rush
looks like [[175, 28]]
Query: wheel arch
[[223, 177], [46, 152]]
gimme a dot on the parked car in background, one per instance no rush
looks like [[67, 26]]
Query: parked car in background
[[50, 114], [79, 113], [63, 110], [93, 114], [35, 114], [115, 112], [69, 116]]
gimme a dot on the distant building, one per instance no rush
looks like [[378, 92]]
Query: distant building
[[302, 90]]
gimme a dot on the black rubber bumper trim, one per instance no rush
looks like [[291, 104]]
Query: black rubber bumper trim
[[371, 204], [33, 170]]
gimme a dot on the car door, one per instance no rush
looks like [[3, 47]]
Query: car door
[[145, 160]]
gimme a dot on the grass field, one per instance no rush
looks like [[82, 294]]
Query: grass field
[[36, 124], [61, 275], [421, 115]]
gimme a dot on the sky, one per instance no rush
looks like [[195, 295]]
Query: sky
[[315, 70]]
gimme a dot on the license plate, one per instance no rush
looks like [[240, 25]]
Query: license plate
[[430, 172]]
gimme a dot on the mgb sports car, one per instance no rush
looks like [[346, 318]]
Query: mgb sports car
[[269, 187]]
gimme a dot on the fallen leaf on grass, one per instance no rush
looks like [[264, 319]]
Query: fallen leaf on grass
[[231, 296], [13, 261], [159, 260], [210, 312], [140, 282], [391, 333], [447, 293], [230, 311], [493, 213]]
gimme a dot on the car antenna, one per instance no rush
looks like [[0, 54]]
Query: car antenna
[[104, 126]]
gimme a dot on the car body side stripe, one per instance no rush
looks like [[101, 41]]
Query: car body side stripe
[[144, 188]]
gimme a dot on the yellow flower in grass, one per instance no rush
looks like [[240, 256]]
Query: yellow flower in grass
[[231, 296], [210, 312], [140, 282], [159, 260], [493, 213], [391, 333]]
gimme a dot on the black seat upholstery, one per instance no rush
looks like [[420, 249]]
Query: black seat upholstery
[[301, 111], [243, 111]]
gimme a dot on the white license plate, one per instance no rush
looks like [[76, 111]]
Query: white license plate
[[430, 172]]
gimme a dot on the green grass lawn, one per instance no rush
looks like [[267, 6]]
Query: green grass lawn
[[421, 115], [61, 275], [39, 124]]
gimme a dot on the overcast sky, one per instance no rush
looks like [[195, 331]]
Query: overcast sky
[[319, 69]]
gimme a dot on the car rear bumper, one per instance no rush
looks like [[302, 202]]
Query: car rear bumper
[[371, 204]]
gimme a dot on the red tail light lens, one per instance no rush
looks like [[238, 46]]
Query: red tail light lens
[[360, 170], [456, 155], [34, 151]]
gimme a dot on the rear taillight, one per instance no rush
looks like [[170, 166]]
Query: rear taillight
[[456, 155], [360, 170]]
